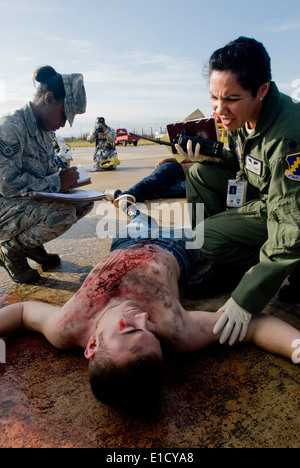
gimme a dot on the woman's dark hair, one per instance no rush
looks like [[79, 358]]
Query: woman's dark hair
[[50, 81], [247, 59]]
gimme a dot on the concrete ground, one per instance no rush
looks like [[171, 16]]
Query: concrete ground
[[221, 397]]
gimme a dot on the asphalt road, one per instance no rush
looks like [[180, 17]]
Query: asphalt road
[[136, 163]]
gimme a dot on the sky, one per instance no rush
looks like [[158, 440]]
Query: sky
[[142, 60]]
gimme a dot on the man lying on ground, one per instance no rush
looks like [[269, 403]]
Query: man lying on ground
[[128, 307]]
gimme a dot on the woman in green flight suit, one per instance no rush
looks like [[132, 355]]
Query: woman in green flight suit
[[256, 246]]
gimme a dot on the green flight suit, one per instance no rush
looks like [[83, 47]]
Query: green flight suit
[[264, 235]]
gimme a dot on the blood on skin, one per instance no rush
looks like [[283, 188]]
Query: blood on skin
[[111, 280], [105, 281], [122, 325]]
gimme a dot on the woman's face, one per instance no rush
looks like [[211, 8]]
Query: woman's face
[[50, 113], [54, 116], [235, 105]]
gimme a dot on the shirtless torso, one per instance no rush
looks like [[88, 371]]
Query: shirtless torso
[[147, 275], [143, 273]]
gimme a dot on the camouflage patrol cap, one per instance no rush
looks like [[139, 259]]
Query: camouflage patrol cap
[[75, 100]]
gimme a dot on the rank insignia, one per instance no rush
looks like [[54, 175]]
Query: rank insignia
[[293, 172], [292, 145], [9, 150]]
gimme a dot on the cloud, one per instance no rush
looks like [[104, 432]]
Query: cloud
[[128, 86], [39, 36], [144, 69], [81, 44], [25, 59], [276, 26], [34, 8]]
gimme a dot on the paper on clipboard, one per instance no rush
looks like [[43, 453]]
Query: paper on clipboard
[[84, 178], [71, 197]]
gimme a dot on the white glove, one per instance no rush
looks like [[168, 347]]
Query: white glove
[[197, 156], [233, 324]]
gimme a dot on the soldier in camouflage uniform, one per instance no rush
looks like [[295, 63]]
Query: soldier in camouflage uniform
[[105, 137], [27, 164]]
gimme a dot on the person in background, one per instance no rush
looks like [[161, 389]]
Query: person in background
[[27, 164], [105, 156], [254, 247]]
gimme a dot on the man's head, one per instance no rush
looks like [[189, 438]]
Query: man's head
[[100, 125], [100, 121], [125, 357]]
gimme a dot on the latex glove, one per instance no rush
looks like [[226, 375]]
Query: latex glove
[[233, 324], [197, 156]]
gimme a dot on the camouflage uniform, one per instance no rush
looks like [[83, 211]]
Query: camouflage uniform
[[26, 164], [105, 148]]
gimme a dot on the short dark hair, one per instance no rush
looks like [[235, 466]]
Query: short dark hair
[[50, 81], [126, 386], [100, 120], [247, 59]]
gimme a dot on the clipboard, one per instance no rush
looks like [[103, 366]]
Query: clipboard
[[73, 196]]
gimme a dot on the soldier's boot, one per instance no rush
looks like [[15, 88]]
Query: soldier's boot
[[41, 256], [13, 259], [290, 293]]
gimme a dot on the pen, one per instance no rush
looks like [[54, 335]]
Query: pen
[[60, 163]]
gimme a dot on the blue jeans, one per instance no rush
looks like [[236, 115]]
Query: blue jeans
[[144, 230], [166, 181]]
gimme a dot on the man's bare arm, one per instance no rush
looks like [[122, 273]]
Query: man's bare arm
[[193, 333], [267, 332], [272, 335], [33, 316]]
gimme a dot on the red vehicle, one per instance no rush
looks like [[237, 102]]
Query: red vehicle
[[124, 139]]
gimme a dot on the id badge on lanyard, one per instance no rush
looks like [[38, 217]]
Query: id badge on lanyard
[[237, 191]]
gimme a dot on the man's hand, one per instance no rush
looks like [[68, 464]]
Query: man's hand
[[233, 324], [197, 156], [68, 178]]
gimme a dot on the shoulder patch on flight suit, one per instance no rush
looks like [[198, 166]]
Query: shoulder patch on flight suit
[[9, 150], [293, 172]]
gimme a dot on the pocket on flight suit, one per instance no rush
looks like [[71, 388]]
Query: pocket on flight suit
[[284, 224]]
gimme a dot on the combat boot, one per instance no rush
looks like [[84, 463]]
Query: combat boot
[[41, 256], [13, 259]]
